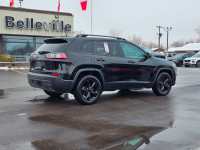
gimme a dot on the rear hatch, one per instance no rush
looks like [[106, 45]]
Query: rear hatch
[[51, 56]]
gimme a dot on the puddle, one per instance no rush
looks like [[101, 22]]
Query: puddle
[[46, 98], [107, 141], [100, 134]]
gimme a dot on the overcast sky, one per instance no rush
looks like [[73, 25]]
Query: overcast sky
[[131, 17]]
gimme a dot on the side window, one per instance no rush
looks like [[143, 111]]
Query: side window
[[131, 51], [106, 49], [190, 55], [87, 47]]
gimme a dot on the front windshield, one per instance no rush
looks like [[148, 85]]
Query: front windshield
[[196, 55], [178, 55], [146, 49]]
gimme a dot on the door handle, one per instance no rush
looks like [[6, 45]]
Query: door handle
[[100, 59], [131, 62]]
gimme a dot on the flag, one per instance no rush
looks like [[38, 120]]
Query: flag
[[58, 5], [83, 5], [11, 3]]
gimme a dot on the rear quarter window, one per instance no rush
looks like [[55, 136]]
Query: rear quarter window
[[87, 47]]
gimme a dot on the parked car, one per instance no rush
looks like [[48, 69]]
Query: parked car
[[169, 55], [178, 58], [86, 65], [192, 61], [148, 50]]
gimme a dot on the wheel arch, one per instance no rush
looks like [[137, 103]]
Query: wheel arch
[[167, 70], [90, 71]]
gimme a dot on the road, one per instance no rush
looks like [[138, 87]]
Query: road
[[30, 120]]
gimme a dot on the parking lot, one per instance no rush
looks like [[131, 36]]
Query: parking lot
[[29, 120]]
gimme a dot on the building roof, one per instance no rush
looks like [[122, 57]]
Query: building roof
[[173, 49], [187, 47], [35, 11], [190, 47]]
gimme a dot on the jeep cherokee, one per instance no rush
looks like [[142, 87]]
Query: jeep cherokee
[[86, 65]]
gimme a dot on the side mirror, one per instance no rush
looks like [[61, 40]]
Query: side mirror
[[148, 55]]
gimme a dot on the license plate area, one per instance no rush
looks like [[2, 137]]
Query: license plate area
[[39, 65]]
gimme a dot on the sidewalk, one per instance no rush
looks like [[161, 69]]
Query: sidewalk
[[15, 65]]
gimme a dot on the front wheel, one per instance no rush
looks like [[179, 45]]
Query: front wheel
[[52, 94], [163, 84], [198, 64], [88, 90]]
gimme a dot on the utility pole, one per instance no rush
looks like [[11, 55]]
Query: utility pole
[[159, 36]]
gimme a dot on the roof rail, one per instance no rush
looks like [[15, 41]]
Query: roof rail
[[86, 35]]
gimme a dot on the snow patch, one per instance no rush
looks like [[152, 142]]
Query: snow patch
[[4, 68]]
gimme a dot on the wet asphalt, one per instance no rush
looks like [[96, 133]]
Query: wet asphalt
[[30, 120]]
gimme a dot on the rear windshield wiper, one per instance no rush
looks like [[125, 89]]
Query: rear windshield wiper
[[43, 52]]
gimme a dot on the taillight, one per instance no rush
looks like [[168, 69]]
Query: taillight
[[54, 74], [56, 56]]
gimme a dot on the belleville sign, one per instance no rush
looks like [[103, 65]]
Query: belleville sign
[[31, 24]]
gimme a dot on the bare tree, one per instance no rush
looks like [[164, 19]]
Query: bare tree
[[150, 44], [115, 33], [135, 39], [178, 43], [198, 31]]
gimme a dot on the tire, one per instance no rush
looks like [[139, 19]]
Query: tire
[[88, 90], [52, 94], [163, 84], [186, 65], [198, 64], [179, 64]]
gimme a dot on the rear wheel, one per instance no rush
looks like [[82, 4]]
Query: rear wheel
[[186, 65], [198, 64], [163, 84], [88, 90], [52, 94]]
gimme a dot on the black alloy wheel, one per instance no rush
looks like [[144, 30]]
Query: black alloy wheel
[[88, 90], [198, 64], [52, 94], [163, 84]]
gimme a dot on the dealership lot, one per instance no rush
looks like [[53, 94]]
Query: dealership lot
[[29, 120]]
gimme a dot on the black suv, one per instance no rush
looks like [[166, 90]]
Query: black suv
[[86, 65]]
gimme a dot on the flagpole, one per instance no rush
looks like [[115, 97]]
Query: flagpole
[[91, 17]]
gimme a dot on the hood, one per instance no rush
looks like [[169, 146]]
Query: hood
[[192, 58]]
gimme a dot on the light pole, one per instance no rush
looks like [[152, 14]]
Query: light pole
[[20, 1], [91, 18]]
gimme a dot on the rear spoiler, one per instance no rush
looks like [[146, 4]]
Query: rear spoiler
[[55, 41]]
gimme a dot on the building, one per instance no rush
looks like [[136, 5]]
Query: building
[[22, 31], [157, 50], [188, 48]]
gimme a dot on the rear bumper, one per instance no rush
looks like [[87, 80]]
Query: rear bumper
[[50, 83]]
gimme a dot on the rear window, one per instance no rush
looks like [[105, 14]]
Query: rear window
[[55, 45], [60, 47]]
